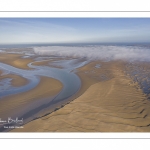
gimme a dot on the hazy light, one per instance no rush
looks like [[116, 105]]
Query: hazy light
[[67, 30]]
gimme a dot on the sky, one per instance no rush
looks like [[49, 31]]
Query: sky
[[74, 30]]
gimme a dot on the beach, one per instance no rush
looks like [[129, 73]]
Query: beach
[[111, 103], [15, 60], [17, 103], [73, 94]]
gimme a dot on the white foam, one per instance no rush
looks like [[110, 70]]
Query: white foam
[[131, 53]]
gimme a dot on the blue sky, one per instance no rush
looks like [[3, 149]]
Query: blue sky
[[74, 30]]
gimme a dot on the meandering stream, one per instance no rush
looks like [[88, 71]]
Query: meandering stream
[[71, 84]]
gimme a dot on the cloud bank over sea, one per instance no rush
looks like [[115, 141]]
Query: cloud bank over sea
[[98, 52]]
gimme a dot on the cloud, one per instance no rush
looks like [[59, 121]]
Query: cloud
[[38, 24], [130, 53]]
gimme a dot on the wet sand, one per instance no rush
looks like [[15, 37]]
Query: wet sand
[[42, 63], [46, 63], [49, 62], [16, 80], [15, 60], [111, 102], [47, 87]]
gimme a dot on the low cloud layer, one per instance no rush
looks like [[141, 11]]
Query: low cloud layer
[[130, 53]]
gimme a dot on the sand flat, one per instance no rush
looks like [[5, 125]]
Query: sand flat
[[113, 105], [46, 63], [46, 88], [41, 63], [15, 60], [16, 80]]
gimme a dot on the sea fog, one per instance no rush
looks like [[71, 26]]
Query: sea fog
[[98, 52], [136, 52]]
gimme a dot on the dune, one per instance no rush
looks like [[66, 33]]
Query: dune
[[111, 102]]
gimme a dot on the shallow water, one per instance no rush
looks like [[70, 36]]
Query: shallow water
[[5, 84], [70, 64], [71, 84]]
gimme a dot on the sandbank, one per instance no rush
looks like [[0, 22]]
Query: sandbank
[[16, 80], [114, 104], [46, 88], [15, 60]]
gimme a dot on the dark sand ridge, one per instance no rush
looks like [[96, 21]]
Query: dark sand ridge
[[15, 60], [115, 103]]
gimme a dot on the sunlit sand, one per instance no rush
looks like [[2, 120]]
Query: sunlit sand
[[112, 96], [113, 104]]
